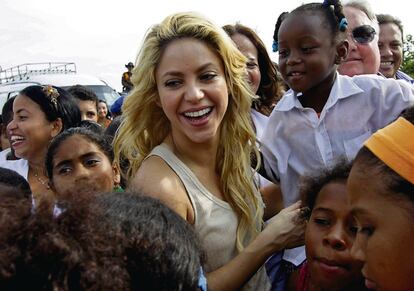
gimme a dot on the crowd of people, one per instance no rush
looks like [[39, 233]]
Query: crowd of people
[[220, 169]]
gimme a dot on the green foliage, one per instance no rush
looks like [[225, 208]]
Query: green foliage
[[408, 52]]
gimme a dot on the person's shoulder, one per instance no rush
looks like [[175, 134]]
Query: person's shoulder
[[154, 173], [156, 179], [377, 83]]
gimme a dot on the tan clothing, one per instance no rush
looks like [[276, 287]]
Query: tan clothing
[[214, 220]]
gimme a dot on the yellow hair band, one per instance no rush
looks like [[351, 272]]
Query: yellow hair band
[[394, 145]]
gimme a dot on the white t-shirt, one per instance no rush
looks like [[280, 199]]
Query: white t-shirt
[[297, 142], [20, 166]]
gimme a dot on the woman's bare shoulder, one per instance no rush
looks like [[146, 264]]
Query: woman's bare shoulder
[[155, 178]]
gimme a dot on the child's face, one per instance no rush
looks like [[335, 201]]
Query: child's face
[[328, 239], [307, 52], [385, 231], [88, 110], [81, 168], [102, 110]]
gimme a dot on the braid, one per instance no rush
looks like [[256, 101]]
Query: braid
[[281, 17], [338, 13]]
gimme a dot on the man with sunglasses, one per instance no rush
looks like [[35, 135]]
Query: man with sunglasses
[[363, 53], [390, 44]]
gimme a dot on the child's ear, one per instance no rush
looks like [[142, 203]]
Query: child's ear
[[341, 51], [117, 174]]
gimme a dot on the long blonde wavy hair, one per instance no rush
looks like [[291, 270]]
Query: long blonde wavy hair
[[145, 125]]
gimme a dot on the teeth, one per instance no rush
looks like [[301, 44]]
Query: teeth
[[295, 74], [16, 137], [198, 113], [386, 63]]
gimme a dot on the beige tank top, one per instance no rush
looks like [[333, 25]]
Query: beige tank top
[[214, 220]]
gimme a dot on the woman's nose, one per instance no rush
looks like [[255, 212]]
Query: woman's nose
[[194, 92]]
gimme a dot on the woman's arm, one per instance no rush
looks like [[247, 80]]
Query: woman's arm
[[284, 230]]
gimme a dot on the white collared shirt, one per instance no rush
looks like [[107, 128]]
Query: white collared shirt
[[296, 142]]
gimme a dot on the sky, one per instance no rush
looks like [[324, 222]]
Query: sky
[[102, 36]]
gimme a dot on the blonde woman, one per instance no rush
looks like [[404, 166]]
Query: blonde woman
[[187, 135]]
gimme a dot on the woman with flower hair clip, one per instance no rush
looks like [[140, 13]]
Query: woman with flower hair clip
[[39, 114]]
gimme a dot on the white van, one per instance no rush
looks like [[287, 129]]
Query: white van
[[63, 75]]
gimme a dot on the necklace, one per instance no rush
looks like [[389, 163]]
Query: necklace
[[41, 181]]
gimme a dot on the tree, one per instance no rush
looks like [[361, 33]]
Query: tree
[[408, 53]]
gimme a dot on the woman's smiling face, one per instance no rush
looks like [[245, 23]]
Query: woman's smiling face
[[30, 132], [192, 89]]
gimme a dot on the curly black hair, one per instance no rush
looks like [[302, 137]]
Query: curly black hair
[[113, 241], [312, 185]]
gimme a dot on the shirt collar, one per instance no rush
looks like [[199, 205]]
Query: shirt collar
[[343, 87]]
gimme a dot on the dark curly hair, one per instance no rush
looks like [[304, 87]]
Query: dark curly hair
[[121, 241], [163, 250], [312, 185], [15, 210]]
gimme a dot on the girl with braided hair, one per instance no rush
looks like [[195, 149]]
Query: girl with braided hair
[[324, 115]]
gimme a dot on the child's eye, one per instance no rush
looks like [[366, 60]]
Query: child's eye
[[307, 49], [353, 229], [322, 221], [91, 162], [283, 53], [366, 230], [64, 170]]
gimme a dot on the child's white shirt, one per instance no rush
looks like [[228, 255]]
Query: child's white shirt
[[296, 142]]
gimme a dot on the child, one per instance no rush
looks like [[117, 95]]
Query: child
[[118, 241], [15, 209], [104, 116], [381, 195], [163, 249], [80, 162], [325, 115], [329, 236]]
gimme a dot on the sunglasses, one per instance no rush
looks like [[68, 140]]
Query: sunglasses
[[363, 34]]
